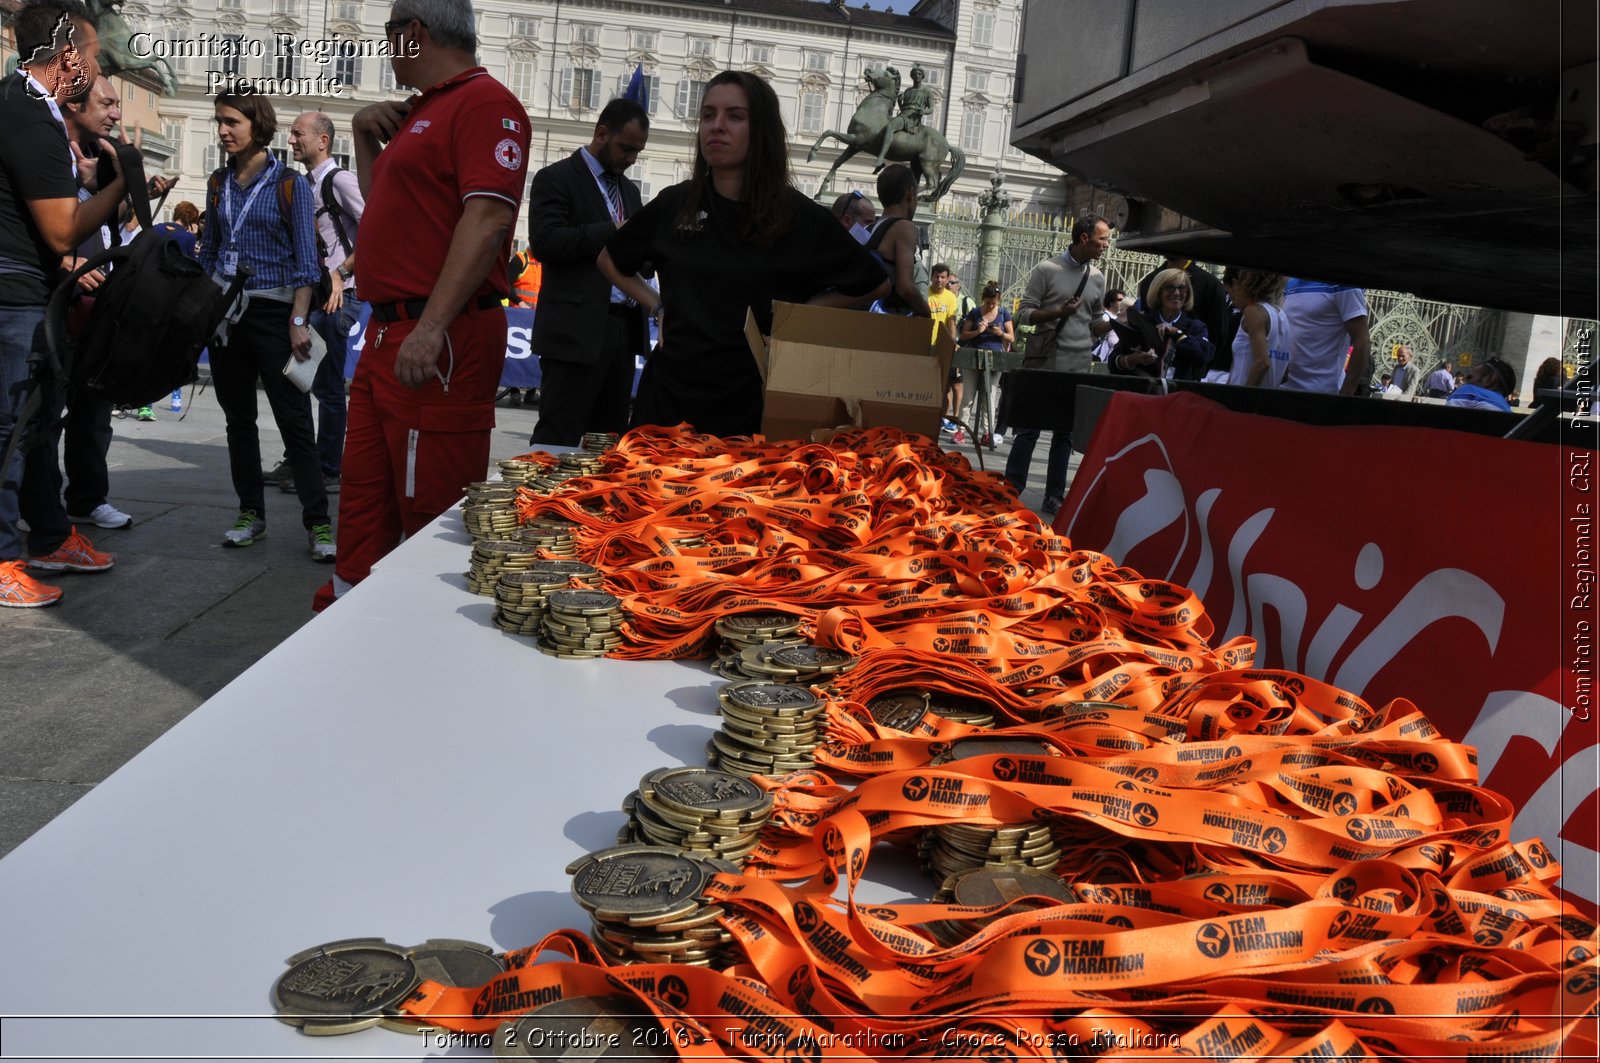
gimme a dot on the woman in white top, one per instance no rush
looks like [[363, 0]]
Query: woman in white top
[[1261, 346]]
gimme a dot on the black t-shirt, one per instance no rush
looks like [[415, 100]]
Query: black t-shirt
[[704, 372], [35, 163]]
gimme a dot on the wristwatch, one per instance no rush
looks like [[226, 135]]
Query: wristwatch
[[344, 274], [298, 321]]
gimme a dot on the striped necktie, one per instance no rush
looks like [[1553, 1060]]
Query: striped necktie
[[613, 196]]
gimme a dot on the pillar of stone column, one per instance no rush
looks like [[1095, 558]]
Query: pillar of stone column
[[1529, 340]]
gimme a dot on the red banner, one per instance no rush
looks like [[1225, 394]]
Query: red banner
[[1454, 570]]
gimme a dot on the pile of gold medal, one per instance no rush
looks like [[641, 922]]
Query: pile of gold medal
[[785, 661], [699, 810], [517, 472], [985, 887], [552, 535], [904, 709], [578, 624], [350, 985], [646, 905], [493, 558], [952, 848], [767, 728], [567, 466], [521, 597], [489, 511], [599, 442], [744, 630]]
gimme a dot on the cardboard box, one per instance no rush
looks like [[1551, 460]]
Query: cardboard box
[[825, 368]]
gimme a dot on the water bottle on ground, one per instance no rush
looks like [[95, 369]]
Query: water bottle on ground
[[177, 400]]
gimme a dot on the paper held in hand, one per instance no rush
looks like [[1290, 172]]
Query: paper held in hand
[[301, 374]]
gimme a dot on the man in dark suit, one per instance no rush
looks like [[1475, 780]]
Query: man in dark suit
[[585, 332]]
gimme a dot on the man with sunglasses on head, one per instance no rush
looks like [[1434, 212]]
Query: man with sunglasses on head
[[857, 214], [1488, 386], [442, 174]]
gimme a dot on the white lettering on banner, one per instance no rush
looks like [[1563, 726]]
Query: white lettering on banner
[[519, 342]]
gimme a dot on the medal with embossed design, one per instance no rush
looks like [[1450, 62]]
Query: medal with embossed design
[[452, 963], [344, 986]]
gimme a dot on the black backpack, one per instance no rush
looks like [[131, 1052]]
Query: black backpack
[[152, 316]]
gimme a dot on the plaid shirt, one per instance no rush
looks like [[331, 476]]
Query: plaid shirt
[[282, 255]]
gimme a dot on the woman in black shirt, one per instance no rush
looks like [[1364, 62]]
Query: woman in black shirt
[[736, 235]]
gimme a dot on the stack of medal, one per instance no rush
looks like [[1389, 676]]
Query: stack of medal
[[646, 905], [554, 536], [952, 848], [489, 511], [517, 472], [552, 477], [699, 810], [785, 661], [599, 442], [493, 558], [986, 887], [744, 630], [521, 597], [767, 729], [581, 624]]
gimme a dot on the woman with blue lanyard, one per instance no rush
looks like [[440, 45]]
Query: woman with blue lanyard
[[259, 219]]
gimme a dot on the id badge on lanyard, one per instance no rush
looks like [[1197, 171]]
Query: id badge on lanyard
[[228, 260]]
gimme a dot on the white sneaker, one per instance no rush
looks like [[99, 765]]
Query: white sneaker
[[105, 515]]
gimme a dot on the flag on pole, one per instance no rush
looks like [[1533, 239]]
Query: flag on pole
[[638, 90]]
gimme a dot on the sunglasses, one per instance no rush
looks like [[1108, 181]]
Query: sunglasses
[[393, 26]]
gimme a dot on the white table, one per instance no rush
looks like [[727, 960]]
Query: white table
[[398, 768]]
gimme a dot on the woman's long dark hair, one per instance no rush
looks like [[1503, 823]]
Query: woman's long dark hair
[[768, 208]]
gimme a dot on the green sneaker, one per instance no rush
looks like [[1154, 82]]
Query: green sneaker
[[323, 547], [246, 530], [146, 413]]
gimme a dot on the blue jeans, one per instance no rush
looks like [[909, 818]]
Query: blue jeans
[[31, 484], [328, 385], [1055, 473]]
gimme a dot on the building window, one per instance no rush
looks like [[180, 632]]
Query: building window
[[280, 148], [758, 53], [983, 29], [347, 11], [520, 73], [701, 47], [589, 35], [817, 61], [691, 94], [652, 89], [524, 28], [230, 5], [972, 131], [213, 156], [347, 68], [934, 78], [580, 88], [812, 104], [636, 175], [386, 80], [644, 40], [977, 81], [173, 131], [340, 150], [232, 59]]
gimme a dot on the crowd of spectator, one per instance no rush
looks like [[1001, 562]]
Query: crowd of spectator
[[613, 278]]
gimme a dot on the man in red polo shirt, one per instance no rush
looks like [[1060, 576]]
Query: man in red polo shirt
[[443, 176]]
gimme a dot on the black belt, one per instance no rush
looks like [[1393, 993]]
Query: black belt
[[411, 309], [623, 309]]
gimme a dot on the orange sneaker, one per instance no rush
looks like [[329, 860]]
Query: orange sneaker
[[18, 590], [77, 554]]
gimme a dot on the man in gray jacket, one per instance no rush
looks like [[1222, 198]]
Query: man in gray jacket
[[1062, 301]]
